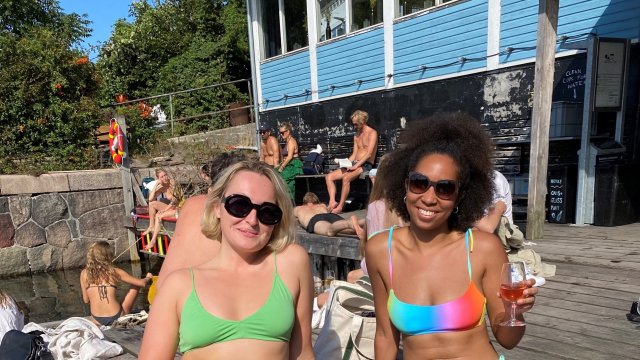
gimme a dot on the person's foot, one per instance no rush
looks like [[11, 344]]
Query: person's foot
[[357, 228], [337, 209], [332, 205], [150, 245]]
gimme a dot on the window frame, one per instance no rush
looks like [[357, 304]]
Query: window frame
[[440, 4], [348, 21], [282, 21]]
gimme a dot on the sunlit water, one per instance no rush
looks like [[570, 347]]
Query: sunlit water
[[57, 296]]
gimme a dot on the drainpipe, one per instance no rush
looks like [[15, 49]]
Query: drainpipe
[[254, 68]]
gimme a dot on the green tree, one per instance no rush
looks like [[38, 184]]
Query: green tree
[[175, 45], [48, 114]]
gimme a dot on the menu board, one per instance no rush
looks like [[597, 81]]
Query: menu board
[[610, 74], [557, 200]]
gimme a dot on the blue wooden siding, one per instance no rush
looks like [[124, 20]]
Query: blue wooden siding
[[342, 62], [439, 38], [288, 75], [576, 18]]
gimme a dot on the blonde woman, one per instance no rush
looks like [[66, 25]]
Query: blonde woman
[[99, 281], [253, 298], [169, 200], [291, 165]]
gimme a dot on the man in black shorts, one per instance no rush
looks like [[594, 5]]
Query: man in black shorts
[[316, 218]]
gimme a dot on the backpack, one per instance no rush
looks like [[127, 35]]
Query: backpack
[[313, 164]]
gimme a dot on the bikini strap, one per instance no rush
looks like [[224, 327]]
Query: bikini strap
[[469, 245], [275, 263], [389, 247]]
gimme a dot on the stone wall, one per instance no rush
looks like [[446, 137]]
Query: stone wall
[[48, 222], [235, 136]]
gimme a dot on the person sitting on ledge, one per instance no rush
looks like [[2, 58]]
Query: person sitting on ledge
[[165, 200], [315, 217], [365, 145]]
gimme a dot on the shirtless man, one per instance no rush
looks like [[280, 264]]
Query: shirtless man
[[269, 147], [316, 218], [364, 155]]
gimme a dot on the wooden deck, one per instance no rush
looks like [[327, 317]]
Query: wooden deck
[[579, 313]]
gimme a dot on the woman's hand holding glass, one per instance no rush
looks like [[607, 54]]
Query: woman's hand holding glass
[[516, 291]]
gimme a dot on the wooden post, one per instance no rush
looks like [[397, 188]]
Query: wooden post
[[542, 91], [127, 190]]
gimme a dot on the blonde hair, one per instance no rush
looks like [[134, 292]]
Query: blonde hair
[[5, 300], [283, 233], [360, 116], [287, 126], [310, 197], [99, 265]]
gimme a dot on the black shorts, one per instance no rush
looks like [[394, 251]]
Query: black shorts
[[329, 217], [367, 166]]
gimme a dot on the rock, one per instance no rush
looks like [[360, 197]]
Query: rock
[[94, 179], [94, 224], [30, 235], [122, 245], [83, 202], [48, 209], [75, 254], [20, 209], [14, 261], [45, 258], [73, 227], [58, 234], [4, 204], [6, 231]]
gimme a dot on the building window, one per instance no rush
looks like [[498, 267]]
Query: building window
[[338, 17], [295, 16], [406, 7], [284, 26]]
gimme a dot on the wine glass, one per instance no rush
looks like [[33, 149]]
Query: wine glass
[[513, 283]]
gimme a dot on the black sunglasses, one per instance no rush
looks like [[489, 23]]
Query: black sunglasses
[[240, 206], [283, 132], [419, 184]]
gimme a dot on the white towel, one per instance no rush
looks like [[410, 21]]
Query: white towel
[[318, 149], [76, 339]]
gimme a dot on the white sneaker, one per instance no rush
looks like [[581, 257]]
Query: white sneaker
[[539, 279]]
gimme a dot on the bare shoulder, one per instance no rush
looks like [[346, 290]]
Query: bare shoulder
[[488, 244], [195, 202], [377, 245], [293, 254], [178, 279]]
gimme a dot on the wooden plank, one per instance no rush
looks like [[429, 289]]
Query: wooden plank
[[541, 114], [130, 339], [125, 171]]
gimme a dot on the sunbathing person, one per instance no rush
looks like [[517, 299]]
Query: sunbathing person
[[98, 281], [160, 197], [160, 210], [315, 217]]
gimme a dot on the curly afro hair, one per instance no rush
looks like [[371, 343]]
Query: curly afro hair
[[462, 138]]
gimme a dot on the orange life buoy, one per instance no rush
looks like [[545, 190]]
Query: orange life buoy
[[116, 142]]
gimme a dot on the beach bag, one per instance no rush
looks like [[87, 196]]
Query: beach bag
[[313, 164], [349, 325], [17, 345]]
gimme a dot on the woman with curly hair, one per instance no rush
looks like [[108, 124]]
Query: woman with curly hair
[[99, 280], [435, 280]]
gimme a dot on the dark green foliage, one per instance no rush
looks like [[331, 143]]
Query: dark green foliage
[[178, 45], [47, 111]]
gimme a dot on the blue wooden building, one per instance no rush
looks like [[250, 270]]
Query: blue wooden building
[[316, 61]]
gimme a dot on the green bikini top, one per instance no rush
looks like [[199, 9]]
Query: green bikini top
[[272, 322]]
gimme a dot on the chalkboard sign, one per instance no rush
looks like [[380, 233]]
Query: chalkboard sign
[[562, 194]]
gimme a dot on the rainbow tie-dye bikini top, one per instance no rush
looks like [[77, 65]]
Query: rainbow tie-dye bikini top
[[463, 313]]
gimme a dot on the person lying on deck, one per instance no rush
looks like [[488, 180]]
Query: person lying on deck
[[98, 282], [164, 201], [315, 217]]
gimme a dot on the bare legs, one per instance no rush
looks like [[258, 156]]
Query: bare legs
[[347, 177], [158, 224], [154, 207], [339, 227]]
